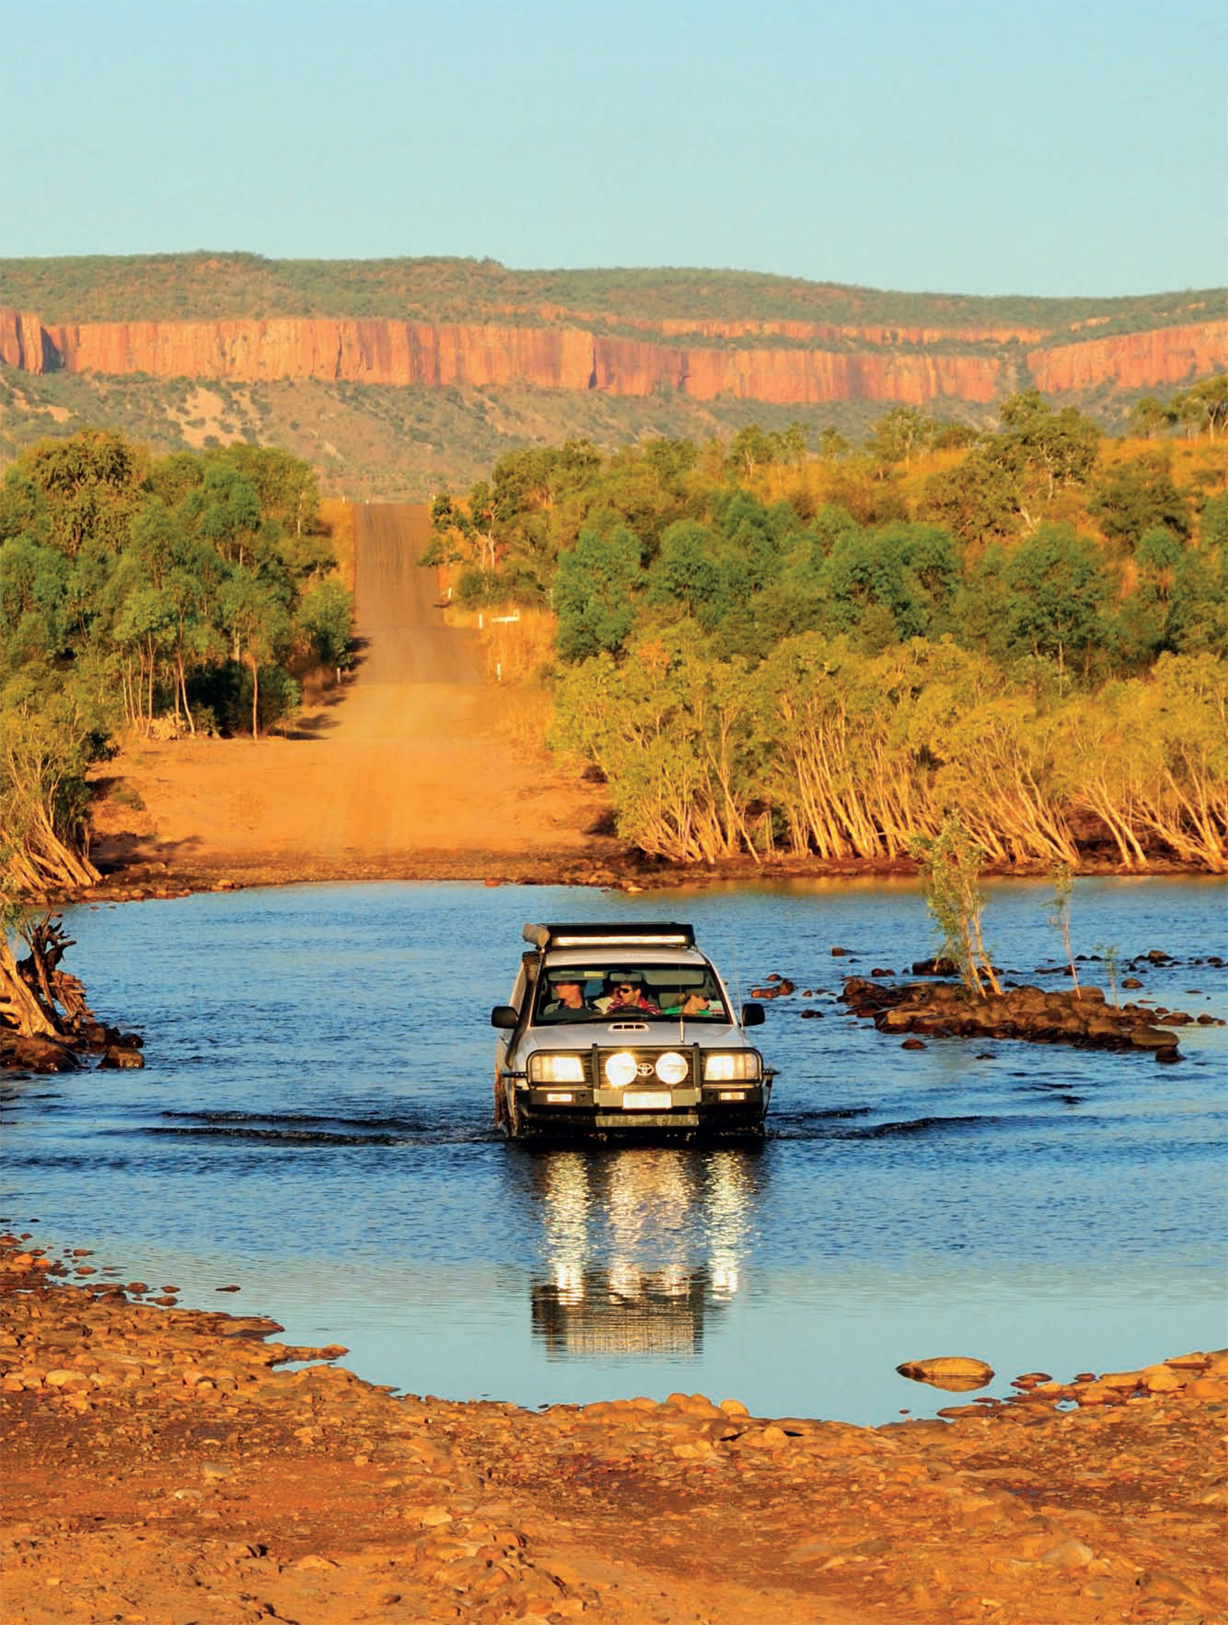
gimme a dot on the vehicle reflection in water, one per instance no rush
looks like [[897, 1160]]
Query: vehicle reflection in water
[[639, 1245]]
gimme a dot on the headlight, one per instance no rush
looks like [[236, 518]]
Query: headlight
[[672, 1067], [728, 1066], [621, 1069], [546, 1068]]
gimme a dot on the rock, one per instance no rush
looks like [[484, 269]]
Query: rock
[[1209, 1387], [950, 1371], [1163, 1379], [117, 1056], [1145, 1037], [1070, 1554], [36, 1054], [1195, 1361]]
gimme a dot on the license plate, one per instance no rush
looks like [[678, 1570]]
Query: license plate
[[632, 1121], [647, 1100]]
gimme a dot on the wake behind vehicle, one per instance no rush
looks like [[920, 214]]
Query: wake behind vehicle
[[623, 1031]]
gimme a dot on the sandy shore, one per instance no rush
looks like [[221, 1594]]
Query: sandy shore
[[162, 1465]]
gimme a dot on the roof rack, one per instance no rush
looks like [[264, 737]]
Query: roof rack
[[609, 934]]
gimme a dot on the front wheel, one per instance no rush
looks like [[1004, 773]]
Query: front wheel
[[514, 1122]]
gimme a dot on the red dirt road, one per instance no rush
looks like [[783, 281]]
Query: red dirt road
[[407, 769]]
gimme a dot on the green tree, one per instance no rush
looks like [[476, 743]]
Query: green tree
[[950, 864], [698, 574], [24, 510], [1135, 496], [225, 510], [898, 436], [978, 499], [326, 616], [33, 588], [1061, 446], [257, 625], [1197, 620], [1204, 405], [1213, 523], [832, 443], [1143, 620], [593, 593], [286, 488], [1148, 416], [907, 572], [50, 734], [753, 448], [1059, 592], [92, 483]]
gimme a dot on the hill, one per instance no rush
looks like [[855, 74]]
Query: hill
[[395, 378]]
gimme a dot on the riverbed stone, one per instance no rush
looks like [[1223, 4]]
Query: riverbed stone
[[515, 1514]]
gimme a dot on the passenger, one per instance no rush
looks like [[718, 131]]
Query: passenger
[[696, 1003], [627, 994], [568, 999]]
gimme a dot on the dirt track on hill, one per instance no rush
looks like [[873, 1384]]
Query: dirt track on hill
[[406, 769]]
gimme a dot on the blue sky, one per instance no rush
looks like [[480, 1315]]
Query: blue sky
[[969, 147]]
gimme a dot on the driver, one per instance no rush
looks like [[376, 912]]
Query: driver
[[626, 993], [568, 994]]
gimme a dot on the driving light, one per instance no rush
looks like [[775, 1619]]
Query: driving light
[[672, 1067], [556, 1068], [730, 1066], [621, 1069], [562, 1099]]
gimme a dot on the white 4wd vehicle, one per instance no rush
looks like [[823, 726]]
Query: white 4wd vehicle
[[624, 1030]]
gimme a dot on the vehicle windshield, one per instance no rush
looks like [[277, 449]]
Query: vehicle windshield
[[568, 993]]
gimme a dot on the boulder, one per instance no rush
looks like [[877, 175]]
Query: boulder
[[35, 1054], [955, 1372], [1157, 1038], [117, 1056]]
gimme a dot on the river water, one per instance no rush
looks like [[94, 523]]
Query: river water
[[313, 1125]]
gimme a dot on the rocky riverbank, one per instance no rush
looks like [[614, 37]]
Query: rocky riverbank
[[1080, 1016], [162, 1464]]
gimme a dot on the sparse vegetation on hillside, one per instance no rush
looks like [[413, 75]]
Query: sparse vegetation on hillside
[[376, 442], [206, 286]]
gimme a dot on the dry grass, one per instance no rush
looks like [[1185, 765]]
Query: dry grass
[[517, 643], [337, 516], [526, 714]]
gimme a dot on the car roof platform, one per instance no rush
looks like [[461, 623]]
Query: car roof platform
[[609, 934]]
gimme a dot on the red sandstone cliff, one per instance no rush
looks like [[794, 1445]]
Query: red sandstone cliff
[[1166, 355], [790, 371], [22, 340]]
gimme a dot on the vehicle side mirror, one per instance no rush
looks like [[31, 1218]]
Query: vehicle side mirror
[[752, 1015], [504, 1015]]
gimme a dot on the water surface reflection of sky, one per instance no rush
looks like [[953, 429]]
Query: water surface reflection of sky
[[314, 1124]]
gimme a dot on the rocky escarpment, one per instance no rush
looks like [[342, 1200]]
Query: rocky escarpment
[[1166, 355], [787, 363]]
